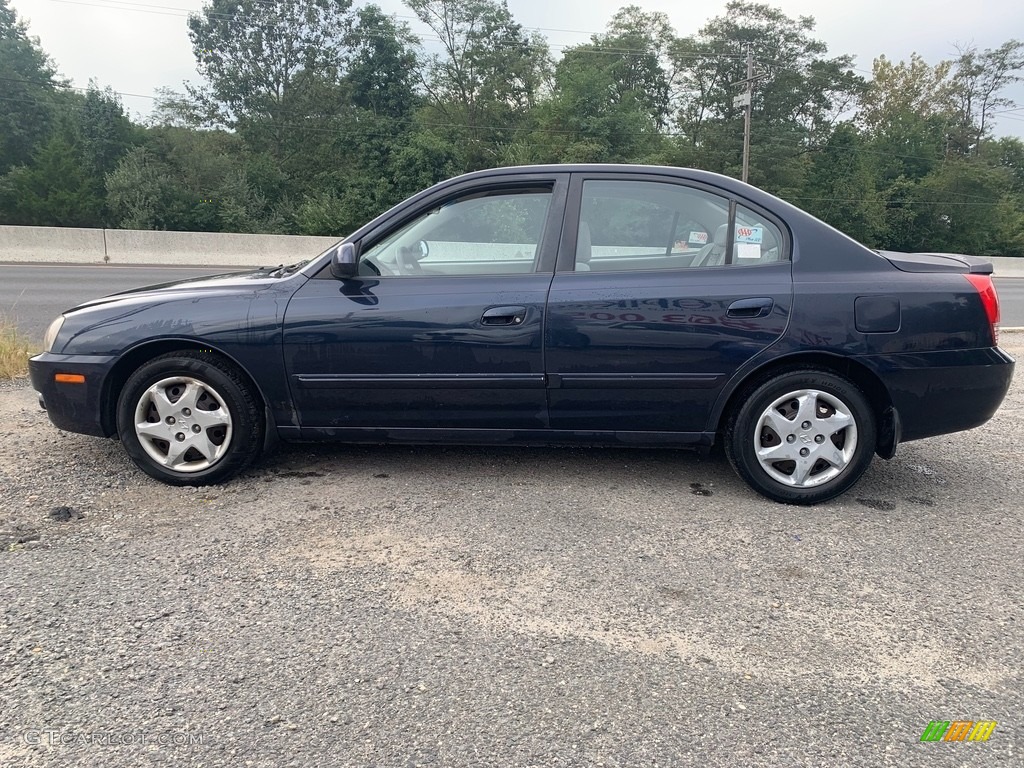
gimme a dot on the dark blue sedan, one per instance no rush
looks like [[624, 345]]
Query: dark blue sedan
[[622, 305]]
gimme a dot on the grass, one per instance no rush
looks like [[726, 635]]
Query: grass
[[15, 350]]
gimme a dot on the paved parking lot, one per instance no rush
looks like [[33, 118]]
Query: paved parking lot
[[506, 607]]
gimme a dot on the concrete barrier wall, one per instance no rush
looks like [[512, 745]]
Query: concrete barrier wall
[[66, 245], [51, 244], [1006, 266]]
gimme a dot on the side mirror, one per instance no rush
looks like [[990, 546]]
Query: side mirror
[[344, 263]]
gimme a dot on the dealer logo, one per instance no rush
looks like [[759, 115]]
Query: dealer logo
[[958, 730]]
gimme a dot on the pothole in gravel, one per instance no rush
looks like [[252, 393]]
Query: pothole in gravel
[[12, 539], [881, 505], [63, 514]]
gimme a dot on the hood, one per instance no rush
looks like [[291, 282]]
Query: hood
[[230, 282]]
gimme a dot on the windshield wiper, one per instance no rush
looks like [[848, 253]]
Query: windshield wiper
[[282, 270]]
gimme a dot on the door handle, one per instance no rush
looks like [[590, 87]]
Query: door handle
[[751, 308], [504, 316]]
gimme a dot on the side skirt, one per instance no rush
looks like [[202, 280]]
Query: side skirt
[[696, 440]]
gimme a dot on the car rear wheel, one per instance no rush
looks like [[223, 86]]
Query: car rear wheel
[[802, 437], [189, 418]]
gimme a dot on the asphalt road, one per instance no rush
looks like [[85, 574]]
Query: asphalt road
[[34, 294], [1011, 301], [503, 608]]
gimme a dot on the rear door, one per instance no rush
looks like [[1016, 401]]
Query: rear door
[[663, 290]]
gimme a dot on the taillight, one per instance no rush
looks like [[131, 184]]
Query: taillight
[[989, 299]]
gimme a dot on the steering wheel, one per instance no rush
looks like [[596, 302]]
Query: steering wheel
[[408, 258], [407, 262]]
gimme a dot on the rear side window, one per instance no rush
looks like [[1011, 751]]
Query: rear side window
[[644, 225], [756, 241]]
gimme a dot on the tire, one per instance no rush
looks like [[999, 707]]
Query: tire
[[190, 418], [770, 447]]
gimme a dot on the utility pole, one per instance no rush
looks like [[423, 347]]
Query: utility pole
[[745, 99], [746, 118]]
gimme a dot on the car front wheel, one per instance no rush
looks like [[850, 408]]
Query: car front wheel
[[189, 418], [802, 437]]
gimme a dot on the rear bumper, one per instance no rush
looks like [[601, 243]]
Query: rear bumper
[[73, 407], [935, 393]]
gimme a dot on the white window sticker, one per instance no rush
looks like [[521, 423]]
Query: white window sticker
[[748, 251], [698, 238], [749, 234]]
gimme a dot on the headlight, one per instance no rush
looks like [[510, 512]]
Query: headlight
[[51, 333]]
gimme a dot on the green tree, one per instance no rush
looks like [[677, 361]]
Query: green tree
[[382, 65], [61, 183], [350, 177], [29, 84], [611, 96], [840, 187], [242, 208], [907, 111], [1008, 153], [634, 49], [104, 133], [799, 96], [143, 193], [960, 207], [481, 90], [961, 213], [593, 116], [57, 189], [977, 90], [270, 67], [421, 160], [1008, 237], [187, 180]]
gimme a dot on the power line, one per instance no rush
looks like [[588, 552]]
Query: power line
[[894, 202], [119, 8], [66, 86], [403, 17], [601, 49], [526, 131], [521, 143], [789, 143]]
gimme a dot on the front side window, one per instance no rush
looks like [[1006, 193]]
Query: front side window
[[645, 225], [495, 232]]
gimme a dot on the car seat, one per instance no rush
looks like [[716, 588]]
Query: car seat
[[584, 248], [713, 254]]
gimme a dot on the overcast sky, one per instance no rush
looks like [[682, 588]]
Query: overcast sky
[[136, 46]]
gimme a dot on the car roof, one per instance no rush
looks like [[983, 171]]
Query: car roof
[[623, 168]]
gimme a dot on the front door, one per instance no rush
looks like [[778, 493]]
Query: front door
[[442, 329]]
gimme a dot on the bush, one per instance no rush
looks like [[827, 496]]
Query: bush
[[14, 351]]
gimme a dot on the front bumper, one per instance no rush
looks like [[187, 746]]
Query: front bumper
[[935, 393], [74, 407]]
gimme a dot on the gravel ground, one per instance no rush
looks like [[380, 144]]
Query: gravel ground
[[495, 607]]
